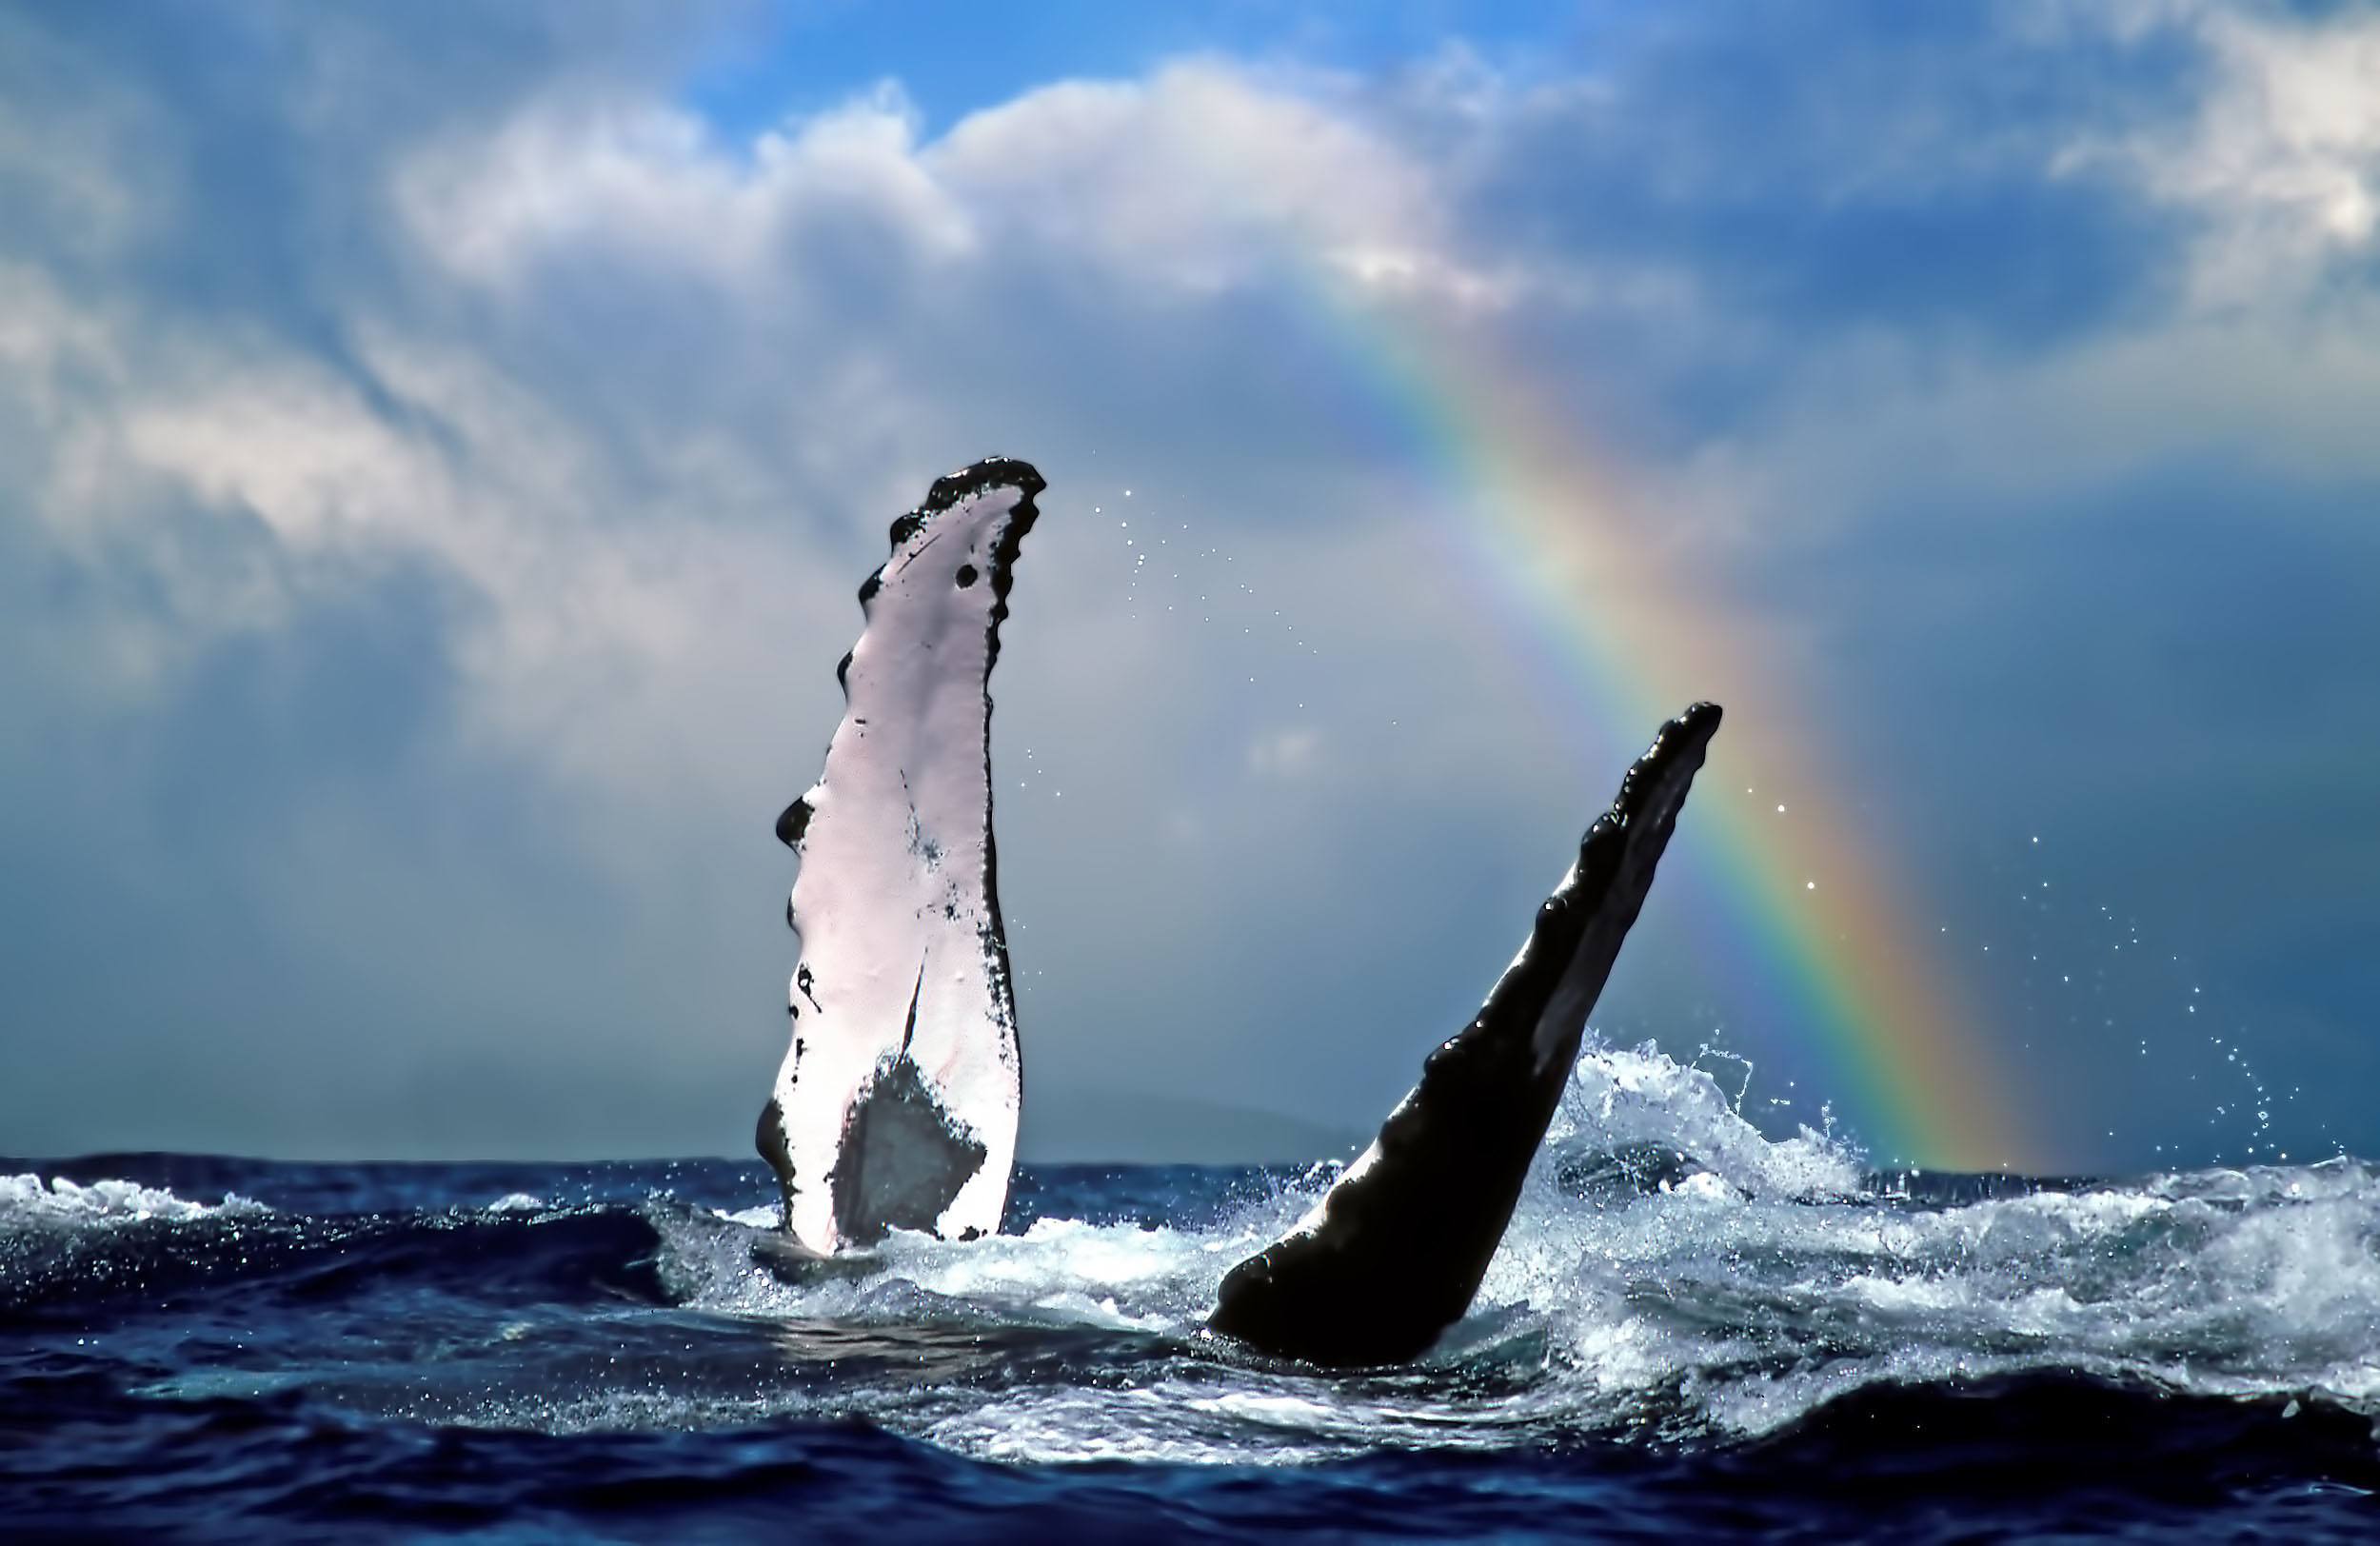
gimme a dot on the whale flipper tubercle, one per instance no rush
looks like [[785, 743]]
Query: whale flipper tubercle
[[1393, 1253], [897, 1103]]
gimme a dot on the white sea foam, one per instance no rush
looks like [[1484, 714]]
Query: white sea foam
[[1621, 1098], [1732, 1296], [28, 1201]]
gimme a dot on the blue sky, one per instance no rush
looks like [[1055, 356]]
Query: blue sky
[[438, 447]]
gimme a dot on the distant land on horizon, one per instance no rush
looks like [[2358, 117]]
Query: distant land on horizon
[[1099, 1126], [1135, 1127]]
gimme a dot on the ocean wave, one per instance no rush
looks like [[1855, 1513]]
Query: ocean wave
[[1724, 1288], [1671, 1277], [72, 1251], [30, 1201]]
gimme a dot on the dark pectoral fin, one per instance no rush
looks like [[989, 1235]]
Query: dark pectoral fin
[[1397, 1250]]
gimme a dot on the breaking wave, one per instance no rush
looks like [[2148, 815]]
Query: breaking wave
[[1674, 1285]]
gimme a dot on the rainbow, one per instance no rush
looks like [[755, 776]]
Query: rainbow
[[1812, 912]]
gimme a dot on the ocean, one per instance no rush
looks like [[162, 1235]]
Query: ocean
[[1692, 1332]]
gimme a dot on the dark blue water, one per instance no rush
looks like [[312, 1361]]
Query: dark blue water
[[1744, 1342]]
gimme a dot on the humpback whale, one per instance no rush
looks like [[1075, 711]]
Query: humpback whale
[[897, 1106]]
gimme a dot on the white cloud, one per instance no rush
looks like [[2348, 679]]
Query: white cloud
[[2283, 154], [647, 183], [642, 397], [593, 636], [611, 542], [45, 338], [1870, 427], [1205, 175]]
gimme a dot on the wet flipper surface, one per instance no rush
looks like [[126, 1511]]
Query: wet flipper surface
[[1394, 1252], [904, 1157], [898, 1102]]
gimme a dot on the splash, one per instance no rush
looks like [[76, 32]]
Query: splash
[[1670, 1273], [28, 1201]]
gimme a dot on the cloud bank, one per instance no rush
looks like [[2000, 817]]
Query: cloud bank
[[439, 458]]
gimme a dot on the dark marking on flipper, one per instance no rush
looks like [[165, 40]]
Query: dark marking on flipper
[[1395, 1251], [909, 1028], [904, 1158], [921, 549], [770, 1138]]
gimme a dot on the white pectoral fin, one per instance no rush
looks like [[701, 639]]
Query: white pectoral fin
[[897, 1106]]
